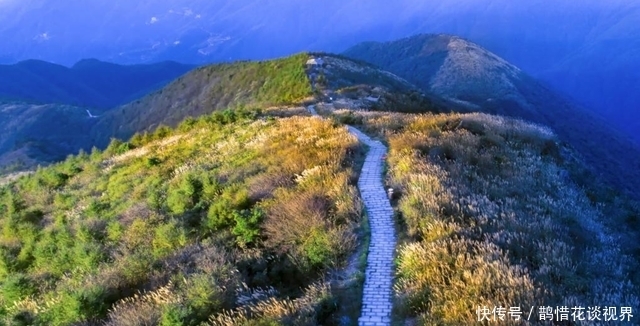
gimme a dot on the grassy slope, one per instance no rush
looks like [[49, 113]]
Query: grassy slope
[[226, 213], [492, 217], [208, 89], [490, 208]]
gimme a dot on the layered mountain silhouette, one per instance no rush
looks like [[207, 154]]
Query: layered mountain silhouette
[[586, 49], [90, 82], [468, 74]]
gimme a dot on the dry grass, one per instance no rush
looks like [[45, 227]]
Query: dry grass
[[273, 311], [493, 218]]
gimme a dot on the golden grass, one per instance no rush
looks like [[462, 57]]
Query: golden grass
[[493, 218]]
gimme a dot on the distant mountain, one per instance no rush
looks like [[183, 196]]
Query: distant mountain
[[470, 75], [587, 49], [31, 134], [90, 83]]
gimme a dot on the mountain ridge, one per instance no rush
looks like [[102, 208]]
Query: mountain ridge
[[205, 90], [455, 68]]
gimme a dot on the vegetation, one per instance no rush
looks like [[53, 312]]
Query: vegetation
[[27, 134], [492, 217], [225, 220], [208, 89]]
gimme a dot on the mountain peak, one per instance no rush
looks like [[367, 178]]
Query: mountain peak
[[448, 65]]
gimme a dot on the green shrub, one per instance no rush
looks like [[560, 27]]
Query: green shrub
[[247, 228], [152, 161], [223, 211], [184, 195], [175, 315], [66, 310], [317, 249], [64, 201], [168, 238], [161, 132], [16, 287], [220, 215], [117, 147], [115, 231], [204, 295], [123, 148], [52, 179]]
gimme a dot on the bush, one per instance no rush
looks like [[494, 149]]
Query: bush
[[318, 249], [205, 296], [348, 118], [223, 211], [117, 147], [184, 195], [175, 315], [16, 287], [161, 132], [247, 228], [168, 238], [220, 215]]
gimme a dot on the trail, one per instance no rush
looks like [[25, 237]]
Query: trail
[[377, 294]]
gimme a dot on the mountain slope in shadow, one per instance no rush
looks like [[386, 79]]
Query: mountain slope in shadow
[[90, 82], [32, 134]]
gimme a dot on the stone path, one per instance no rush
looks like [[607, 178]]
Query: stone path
[[377, 294]]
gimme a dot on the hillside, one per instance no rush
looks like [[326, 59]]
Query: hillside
[[464, 72], [242, 218], [208, 89], [250, 84], [490, 210], [89, 83], [29, 138], [216, 222]]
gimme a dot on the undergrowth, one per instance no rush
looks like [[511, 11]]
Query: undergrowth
[[225, 220]]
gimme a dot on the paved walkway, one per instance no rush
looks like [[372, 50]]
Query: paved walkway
[[377, 294]]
